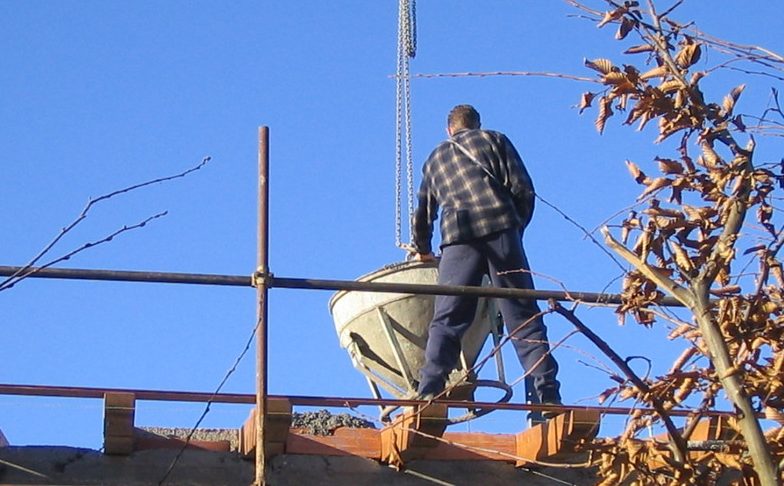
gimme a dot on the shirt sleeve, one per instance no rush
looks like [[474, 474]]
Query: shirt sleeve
[[519, 181], [424, 215]]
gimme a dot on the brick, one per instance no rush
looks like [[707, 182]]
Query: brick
[[118, 418]]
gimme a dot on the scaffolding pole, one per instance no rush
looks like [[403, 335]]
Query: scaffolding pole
[[262, 286]]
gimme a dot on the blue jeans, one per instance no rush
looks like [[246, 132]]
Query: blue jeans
[[466, 264]]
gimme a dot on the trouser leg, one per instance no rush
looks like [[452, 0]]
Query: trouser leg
[[460, 265], [521, 316]]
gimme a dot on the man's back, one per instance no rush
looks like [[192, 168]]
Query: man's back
[[478, 180]]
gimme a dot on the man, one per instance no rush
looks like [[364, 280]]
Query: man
[[486, 197]]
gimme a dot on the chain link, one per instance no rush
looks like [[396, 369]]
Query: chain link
[[406, 49]]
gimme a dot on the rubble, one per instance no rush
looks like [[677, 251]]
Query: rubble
[[324, 423]]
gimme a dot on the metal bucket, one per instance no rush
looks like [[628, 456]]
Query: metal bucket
[[385, 333]]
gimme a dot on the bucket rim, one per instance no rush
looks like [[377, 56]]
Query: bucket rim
[[381, 272]]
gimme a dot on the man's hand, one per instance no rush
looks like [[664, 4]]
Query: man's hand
[[423, 257]]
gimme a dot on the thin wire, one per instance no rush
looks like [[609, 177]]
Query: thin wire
[[209, 403], [584, 230]]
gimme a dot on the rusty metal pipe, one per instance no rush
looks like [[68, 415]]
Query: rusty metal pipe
[[130, 276], [313, 401], [262, 298], [322, 284]]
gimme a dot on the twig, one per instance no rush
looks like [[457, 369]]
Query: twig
[[83, 215], [28, 271], [582, 228], [669, 10]]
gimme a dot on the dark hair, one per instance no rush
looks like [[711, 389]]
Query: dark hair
[[464, 116]]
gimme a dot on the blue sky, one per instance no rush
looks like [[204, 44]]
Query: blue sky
[[99, 95]]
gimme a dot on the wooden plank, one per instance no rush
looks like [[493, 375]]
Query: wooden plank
[[367, 443], [557, 436], [344, 442], [118, 418], [475, 446]]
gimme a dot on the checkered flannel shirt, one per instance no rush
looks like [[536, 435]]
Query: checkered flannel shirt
[[472, 203]]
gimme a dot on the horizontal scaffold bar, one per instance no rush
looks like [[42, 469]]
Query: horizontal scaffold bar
[[315, 401], [318, 284]]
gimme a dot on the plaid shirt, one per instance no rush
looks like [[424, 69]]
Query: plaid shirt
[[472, 203]]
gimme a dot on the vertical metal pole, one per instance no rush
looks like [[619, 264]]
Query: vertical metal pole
[[261, 294]]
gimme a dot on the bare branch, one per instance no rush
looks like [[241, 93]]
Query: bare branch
[[28, 271], [13, 279], [652, 274], [678, 445]]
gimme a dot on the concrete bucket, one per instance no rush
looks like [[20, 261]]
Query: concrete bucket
[[385, 333]]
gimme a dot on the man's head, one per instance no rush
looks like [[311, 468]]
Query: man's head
[[462, 116]]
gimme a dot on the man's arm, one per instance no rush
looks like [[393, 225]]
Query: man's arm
[[520, 184], [423, 217]]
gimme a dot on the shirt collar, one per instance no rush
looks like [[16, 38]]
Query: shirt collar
[[459, 132]]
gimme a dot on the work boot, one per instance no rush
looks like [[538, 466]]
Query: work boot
[[551, 414]]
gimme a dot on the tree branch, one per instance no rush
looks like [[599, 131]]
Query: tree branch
[[677, 444], [24, 271]]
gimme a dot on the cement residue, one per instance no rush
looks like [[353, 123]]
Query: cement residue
[[325, 423], [210, 435]]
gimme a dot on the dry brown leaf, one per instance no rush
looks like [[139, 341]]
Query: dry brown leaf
[[710, 158], [673, 124], [615, 77], [680, 99], [680, 331], [669, 166], [624, 234], [639, 49], [681, 257], [657, 72], [611, 16], [637, 174], [729, 101], [644, 119], [643, 244], [626, 26], [670, 85], [603, 66], [775, 415], [654, 186], [605, 112], [688, 55], [586, 100], [657, 211]]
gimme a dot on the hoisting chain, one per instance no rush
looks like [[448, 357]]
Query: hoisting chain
[[406, 49]]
